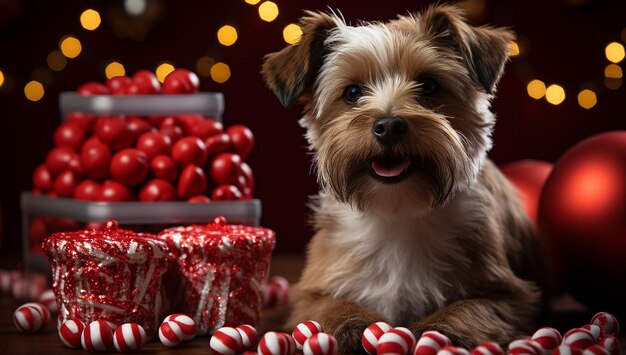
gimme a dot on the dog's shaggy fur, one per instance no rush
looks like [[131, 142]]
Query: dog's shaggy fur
[[445, 245]]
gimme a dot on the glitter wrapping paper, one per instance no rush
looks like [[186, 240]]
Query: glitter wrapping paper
[[113, 274], [217, 272]]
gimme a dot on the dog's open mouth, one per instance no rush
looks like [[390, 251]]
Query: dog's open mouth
[[390, 169]]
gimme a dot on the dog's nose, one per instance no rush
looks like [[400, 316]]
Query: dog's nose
[[389, 130]]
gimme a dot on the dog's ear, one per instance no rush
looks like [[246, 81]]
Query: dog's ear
[[483, 49], [292, 71]]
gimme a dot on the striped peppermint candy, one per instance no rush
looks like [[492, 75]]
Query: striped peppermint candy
[[70, 332], [48, 299], [487, 348], [607, 323], [304, 331], [225, 341], [567, 350], [187, 325], [372, 334], [320, 344], [129, 337], [273, 343], [549, 338], [249, 336], [28, 319], [276, 292], [610, 343], [525, 347], [579, 338], [452, 350], [45, 313], [97, 336], [291, 344], [430, 343], [170, 334], [398, 341], [596, 350], [595, 331]]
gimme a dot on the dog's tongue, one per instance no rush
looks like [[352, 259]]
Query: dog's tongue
[[390, 170]]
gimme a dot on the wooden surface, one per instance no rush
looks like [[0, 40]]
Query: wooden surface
[[563, 318]]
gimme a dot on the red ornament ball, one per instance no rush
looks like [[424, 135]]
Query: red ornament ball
[[528, 177]]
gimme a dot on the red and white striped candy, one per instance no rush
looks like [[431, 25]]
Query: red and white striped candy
[[70, 332], [276, 292], [129, 337], [97, 336], [372, 334], [549, 338], [42, 309], [398, 341], [249, 336], [610, 343], [606, 322], [28, 319], [225, 341], [304, 331], [430, 343], [48, 299], [487, 348], [595, 331], [170, 334], [452, 350], [291, 344], [579, 338], [525, 347], [320, 344], [596, 350], [19, 289], [187, 325], [273, 343], [567, 350]]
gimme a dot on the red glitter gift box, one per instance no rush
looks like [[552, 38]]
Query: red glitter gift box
[[217, 272], [114, 274]]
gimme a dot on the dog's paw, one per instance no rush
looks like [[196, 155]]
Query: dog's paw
[[348, 334]]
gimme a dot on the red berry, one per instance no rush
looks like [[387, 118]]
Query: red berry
[[206, 128], [69, 135], [174, 133], [145, 83], [226, 193], [188, 121], [153, 144], [242, 140], [138, 126], [163, 167], [95, 158], [217, 144], [88, 190], [76, 165], [42, 179], [225, 169], [189, 150], [192, 182], [65, 184], [82, 120], [181, 81], [112, 191], [156, 120], [157, 190], [199, 199], [129, 166], [118, 85], [58, 159], [92, 88], [247, 173], [114, 132]]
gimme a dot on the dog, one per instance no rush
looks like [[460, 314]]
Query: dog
[[415, 225]]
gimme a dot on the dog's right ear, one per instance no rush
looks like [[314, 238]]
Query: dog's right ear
[[291, 72]]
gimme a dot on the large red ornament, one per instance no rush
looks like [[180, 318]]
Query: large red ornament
[[528, 176], [582, 211]]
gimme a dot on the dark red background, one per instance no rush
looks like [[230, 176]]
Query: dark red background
[[564, 44]]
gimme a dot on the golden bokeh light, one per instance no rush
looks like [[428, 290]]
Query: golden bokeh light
[[220, 72], [203, 66], [614, 52], [613, 83], [514, 49], [90, 19], [555, 94], [227, 35], [292, 33], [613, 71], [163, 70], [587, 99], [253, 2], [70, 46], [268, 11], [536, 89], [114, 69], [34, 90], [1, 78], [56, 61]]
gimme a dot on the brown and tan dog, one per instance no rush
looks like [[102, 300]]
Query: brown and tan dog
[[416, 226]]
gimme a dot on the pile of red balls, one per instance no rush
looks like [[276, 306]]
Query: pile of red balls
[[157, 158]]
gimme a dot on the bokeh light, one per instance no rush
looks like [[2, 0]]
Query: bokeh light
[[90, 19], [1, 78], [268, 11], [614, 52], [70, 46], [220, 72], [163, 70], [292, 33], [34, 90], [613, 71], [114, 69], [253, 2], [56, 61], [555, 94], [514, 49], [227, 35], [536, 89], [203, 66], [587, 99], [613, 83]]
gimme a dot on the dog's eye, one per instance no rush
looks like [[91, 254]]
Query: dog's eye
[[352, 94], [428, 86]]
